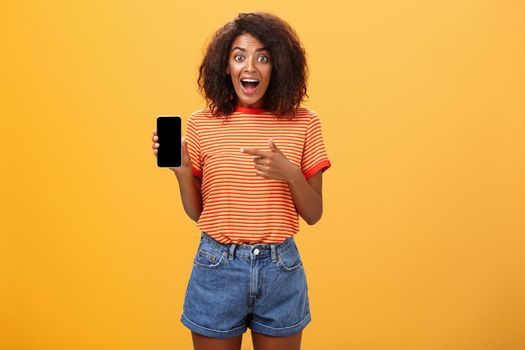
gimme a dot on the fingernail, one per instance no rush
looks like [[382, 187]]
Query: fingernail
[[242, 149]]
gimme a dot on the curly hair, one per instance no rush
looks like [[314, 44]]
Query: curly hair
[[287, 87]]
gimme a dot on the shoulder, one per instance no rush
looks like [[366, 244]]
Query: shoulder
[[306, 111], [308, 115], [200, 114]]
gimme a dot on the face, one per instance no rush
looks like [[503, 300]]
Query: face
[[250, 68]]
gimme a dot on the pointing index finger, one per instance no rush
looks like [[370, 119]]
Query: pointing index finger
[[253, 151]]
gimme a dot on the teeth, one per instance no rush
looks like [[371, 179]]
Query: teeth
[[250, 80]]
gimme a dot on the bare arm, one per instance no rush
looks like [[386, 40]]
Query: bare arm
[[190, 193], [307, 195], [189, 185]]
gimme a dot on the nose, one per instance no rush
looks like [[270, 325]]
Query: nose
[[249, 67]]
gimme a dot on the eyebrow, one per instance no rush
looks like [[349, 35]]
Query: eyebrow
[[240, 48]]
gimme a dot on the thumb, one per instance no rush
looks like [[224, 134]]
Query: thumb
[[273, 146], [186, 159], [185, 152]]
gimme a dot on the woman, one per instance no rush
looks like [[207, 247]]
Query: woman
[[252, 162]]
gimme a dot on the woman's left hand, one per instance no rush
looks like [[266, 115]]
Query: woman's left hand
[[272, 164]]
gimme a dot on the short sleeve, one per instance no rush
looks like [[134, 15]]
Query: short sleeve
[[314, 152], [194, 147]]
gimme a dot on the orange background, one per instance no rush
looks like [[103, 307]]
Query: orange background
[[421, 245]]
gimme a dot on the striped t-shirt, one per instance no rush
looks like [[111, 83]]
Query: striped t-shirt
[[238, 205]]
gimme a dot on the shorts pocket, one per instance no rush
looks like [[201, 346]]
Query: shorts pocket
[[290, 260], [209, 258]]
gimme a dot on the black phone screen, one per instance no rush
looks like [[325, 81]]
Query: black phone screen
[[169, 153]]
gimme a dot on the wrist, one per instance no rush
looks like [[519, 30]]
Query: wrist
[[295, 176], [183, 176]]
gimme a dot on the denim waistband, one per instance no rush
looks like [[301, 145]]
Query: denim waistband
[[262, 249]]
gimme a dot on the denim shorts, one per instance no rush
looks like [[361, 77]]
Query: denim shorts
[[235, 286]]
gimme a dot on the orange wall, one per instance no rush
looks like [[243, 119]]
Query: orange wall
[[421, 245]]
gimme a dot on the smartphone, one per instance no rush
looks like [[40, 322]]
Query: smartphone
[[169, 132]]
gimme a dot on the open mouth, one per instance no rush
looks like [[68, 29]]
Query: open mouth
[[249, 85]]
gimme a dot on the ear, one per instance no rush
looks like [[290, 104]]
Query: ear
[[228, 70]]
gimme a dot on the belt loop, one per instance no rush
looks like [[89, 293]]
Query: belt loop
[[274, 252], [232, 249]]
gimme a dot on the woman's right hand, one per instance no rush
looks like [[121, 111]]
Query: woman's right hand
[[186, 168]]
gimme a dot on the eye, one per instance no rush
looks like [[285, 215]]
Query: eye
[[263, 58], [238, 58]]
